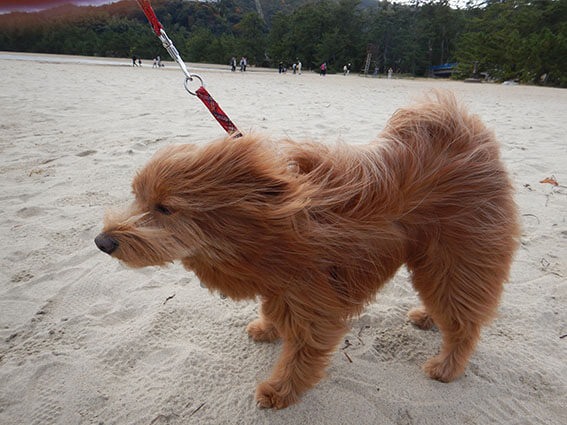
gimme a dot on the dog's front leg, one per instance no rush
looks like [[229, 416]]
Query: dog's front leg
[[308, 341]]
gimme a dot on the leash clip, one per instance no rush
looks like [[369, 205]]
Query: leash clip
[[190, 78], [174, 53]]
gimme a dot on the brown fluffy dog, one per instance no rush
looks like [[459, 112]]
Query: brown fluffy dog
[[316, 230]]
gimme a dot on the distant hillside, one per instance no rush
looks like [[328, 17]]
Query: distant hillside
[[272, 7], [518, 40], [130, 9]]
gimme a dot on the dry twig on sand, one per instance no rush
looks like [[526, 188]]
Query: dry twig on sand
[[198, 408], [168, 298]]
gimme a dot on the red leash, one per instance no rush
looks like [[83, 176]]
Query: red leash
[[145, 5], [201, 92], [217, 112]]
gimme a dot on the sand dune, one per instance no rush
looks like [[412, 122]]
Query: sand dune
[[84, 340]]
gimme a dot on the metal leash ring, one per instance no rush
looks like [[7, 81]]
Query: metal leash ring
[[190, 78]]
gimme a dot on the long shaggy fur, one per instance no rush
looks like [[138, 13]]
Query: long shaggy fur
[[316, 230]]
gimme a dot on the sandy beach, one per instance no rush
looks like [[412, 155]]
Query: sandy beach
[[85, 340]]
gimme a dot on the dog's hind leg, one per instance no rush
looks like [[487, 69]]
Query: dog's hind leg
[[459, 341], [262, 329], [308, 341], [460, 299]]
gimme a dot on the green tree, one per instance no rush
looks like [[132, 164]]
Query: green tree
[[251, 38]]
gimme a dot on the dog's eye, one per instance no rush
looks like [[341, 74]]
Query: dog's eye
[[163, 210]]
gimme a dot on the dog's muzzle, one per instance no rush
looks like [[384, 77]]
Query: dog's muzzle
[[106, 243]]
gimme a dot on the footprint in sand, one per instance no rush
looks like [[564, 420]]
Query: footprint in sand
[[29, 212], [46, 386], [86, 153]]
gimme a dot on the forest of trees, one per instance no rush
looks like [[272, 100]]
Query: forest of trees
[[523, 40]]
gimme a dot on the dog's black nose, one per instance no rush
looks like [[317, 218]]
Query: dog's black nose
[[106, 243]]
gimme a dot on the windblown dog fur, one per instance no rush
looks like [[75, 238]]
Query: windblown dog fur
[[316, 230]]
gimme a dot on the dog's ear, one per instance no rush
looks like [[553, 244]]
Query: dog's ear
[[250, 159], [229, 171], [258, 164]]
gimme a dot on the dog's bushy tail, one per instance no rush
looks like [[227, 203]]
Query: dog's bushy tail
[[440, 154], [440, 123]]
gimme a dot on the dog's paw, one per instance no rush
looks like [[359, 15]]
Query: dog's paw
[[421, 318], [443, 369], [260, 331], [269, 396]]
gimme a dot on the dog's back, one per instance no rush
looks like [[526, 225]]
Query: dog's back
[[430, 191]]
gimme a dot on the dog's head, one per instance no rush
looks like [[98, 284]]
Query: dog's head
[[210, 200]]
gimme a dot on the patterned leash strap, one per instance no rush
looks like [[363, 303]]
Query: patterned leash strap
[[201, 92], [217, 112]]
